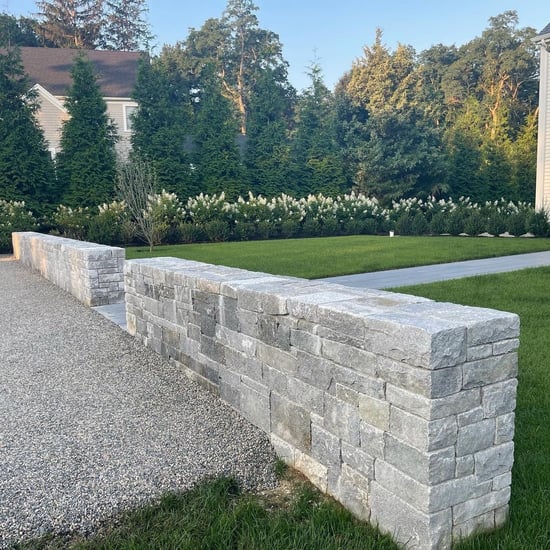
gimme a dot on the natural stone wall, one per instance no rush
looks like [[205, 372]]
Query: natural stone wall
[[93, 273], [400, 407]]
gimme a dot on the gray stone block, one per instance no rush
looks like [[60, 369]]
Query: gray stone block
[[342, 420], [475, 437], [352, 490], [500, 398], [505, 426], [372, 440], [358, 460], [491, 370], [290, 422], [325, 448], [255, 407], [494, 461]]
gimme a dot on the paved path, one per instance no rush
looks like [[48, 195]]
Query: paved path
[[442, 272], [92, 422]]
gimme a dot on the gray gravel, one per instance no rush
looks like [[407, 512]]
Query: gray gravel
[[92, 423]]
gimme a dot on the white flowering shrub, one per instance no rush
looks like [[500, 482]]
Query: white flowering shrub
[[112, 224], [73, 223], [14, 216]]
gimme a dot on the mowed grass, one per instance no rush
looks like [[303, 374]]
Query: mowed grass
[[332, 256], [526, 293]]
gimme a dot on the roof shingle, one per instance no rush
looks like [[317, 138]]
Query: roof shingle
[[544, 31], [51, 68]]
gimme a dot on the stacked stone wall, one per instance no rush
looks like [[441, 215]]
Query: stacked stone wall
[[400, 407], [93, 273]]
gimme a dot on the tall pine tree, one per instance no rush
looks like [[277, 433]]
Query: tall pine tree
[[26, 168], [86, 165], [162, 126], [216, 155], [126, 28], [70, 23]]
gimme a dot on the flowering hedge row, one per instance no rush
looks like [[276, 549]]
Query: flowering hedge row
[[213, 218]]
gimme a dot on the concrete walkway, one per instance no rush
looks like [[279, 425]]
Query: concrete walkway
[[442, 272], [402, 277]]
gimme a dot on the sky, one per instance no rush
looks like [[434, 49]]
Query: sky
[[335, 32]]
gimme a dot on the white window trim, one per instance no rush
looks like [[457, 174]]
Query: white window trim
[[125, 107]]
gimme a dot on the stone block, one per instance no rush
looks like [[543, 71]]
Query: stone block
[[306, 395], [274, 332], [502, 481], [290, 422], [479, 506], [358, 460], [488, 326], [464, 466], [475, 437], [277, 359], [372, 440], [494, 461], [428, 468], [316, 472], [352, 490], [422, 434], [499, 399], [314, 370], [375, 412], [342, 419], [255, 407], [406, 524], [476, 353], [350, 357], [505, 425], [325, 448], [491, 370], [284, 450], [480, 523], [474, 415], [455, 491], [505, 346], [305, 341]]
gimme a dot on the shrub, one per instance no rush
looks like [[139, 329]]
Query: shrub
[[537, 223], [190, 233], [438, 225], [217, 231], [496, 224], [419, 224], [474, 223], [111, 225], [455, 222], [404, 224], [73, 223], [14, 216]]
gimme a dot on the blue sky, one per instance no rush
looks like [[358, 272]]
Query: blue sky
[[336, 31]]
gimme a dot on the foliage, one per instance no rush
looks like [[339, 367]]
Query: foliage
[[161, 125], [73, 223], [26, 169], [70, 23], [86, 165], [14, 216], [17, 31], [125, 25]]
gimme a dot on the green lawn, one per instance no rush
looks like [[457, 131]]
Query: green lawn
[[526, 293], [331, 256]]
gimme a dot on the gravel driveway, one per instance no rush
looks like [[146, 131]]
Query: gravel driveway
[[92, 423]]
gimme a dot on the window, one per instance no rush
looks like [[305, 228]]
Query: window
[[128, 111]]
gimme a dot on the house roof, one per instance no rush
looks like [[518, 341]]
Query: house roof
[[545, 33], [51, 68]]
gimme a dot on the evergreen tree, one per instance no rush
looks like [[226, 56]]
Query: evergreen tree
[[86, 165], [162, 126], [268, 152], [17, 32], [26, 169], [126, 28], [316, 159], [70, 23], [216, 155]]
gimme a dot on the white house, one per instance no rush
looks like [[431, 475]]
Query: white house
[[542, 199], [49, 71]]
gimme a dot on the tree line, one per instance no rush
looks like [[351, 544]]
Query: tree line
[[217, 113]]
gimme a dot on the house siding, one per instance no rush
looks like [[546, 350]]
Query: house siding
[[115, 110], [543, 152], [51, 117]]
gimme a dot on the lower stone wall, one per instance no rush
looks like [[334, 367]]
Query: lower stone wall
[[400, 407], [93, 273]]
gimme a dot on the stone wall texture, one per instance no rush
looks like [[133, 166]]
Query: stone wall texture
[[400, 407], [93, 273]]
